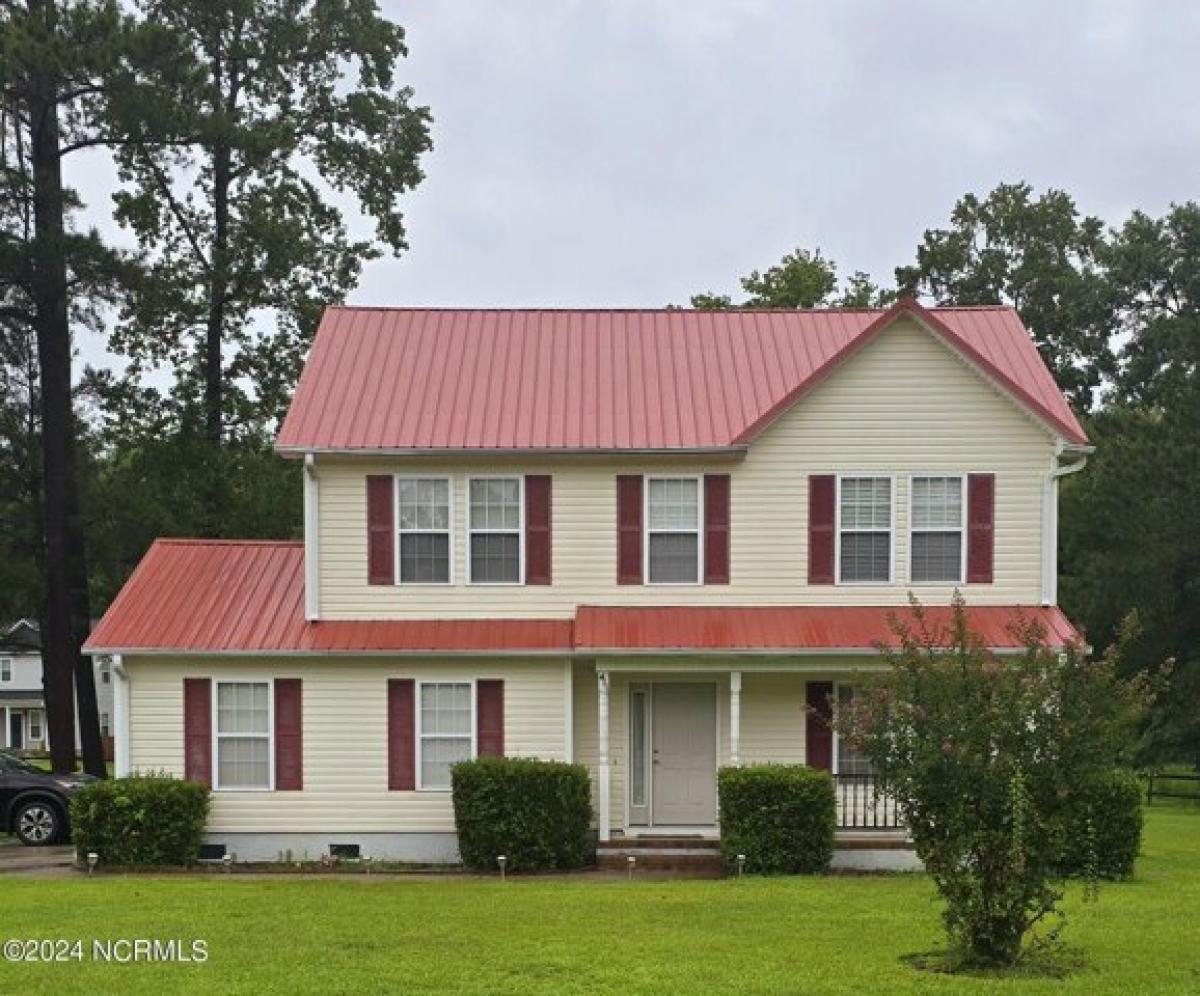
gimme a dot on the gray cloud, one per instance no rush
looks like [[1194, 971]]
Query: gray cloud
[[631, 152]]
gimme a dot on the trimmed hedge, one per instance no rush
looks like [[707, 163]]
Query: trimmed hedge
[[781, 816], [536, 813], [142, 820], [1105, 817]]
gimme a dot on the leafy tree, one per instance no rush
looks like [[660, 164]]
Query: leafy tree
[[983, 755], [800, 280], [1042, 257], [1129, 535], [278, 103], [58, 62]]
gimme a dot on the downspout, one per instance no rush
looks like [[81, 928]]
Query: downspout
[[312, 512], [1050, 512], [121, 767]]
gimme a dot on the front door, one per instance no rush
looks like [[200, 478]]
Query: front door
[[16, 730], [684, 779]]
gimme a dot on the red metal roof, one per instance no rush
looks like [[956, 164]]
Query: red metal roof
[[430, 379], [762, 628], [224, 596], [229, 596]]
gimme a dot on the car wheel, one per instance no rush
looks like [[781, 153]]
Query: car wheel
[[37, 823]]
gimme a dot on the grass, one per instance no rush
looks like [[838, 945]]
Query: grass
[[461, 935]]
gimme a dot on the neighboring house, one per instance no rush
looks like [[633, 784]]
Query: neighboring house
[[646, 541], [22, 698]]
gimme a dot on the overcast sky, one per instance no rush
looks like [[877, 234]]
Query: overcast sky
[[632, 152]]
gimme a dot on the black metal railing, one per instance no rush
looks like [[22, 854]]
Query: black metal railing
[[862, 804]]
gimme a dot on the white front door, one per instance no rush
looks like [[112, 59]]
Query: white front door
[[684, 779]]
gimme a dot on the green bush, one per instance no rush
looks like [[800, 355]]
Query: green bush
[[1104, 826], [142, 820], [536, 813], [781, 816]]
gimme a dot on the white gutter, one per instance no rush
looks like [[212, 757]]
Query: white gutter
[[1050, 513], [121, 766], [312, 519]]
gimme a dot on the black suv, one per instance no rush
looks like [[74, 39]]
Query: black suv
[[35, 805]]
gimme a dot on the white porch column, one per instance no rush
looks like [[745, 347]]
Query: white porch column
[[602, 768], [735, 717], [120, 729]]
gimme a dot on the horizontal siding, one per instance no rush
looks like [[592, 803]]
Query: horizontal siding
[[345, 738], [773, 717], [904, 404]]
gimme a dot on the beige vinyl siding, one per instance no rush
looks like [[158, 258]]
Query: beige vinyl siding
[[345, 736], [773, 716], [904, 404]]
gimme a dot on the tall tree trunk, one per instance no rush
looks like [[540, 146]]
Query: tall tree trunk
[[218, 292], [65, 609]]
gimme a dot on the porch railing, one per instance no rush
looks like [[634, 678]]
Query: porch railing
[[864, 805]]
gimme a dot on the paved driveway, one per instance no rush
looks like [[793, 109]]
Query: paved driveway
[[16, 859]]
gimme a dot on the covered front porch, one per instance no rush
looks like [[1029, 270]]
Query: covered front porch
[[655, 732]]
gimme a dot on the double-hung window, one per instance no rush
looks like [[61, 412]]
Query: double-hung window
[[243, 735], [864, 530], [35, 724], [424, 527], [673, 517], [447, 720], [495, 530], [936, 530], [5, 669], [848, 760]]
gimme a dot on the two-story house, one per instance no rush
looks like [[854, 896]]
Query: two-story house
[[646, 541], [22, 696]]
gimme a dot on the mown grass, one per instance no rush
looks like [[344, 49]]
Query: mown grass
[[392, 934]]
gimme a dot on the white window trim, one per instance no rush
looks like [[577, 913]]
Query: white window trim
[[420, 733], [519, 531], [962, 529], [270, 734], [30, 718], [646, 530], [6, 669], [450, 482], [837, 530]]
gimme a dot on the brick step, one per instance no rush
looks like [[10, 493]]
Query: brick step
[[655, 843], [701, 864]]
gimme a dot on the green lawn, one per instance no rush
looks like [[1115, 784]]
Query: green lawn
[[390, 934]]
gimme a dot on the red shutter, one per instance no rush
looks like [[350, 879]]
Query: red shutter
[[538, 557], [981, 530], [381, 531], [489, 718], [289, 736], [818, 734], [822, 497], [629, 529], [197, 730], [716, 529], [402, 734]]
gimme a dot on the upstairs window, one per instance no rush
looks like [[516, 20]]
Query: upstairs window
[[673, 517], [864, 530], [5, 669], [936, 540], [495, 530], [243, 735], [424, 528]]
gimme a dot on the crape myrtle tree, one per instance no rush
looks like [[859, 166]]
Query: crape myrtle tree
[[984, 755], [292, 109]]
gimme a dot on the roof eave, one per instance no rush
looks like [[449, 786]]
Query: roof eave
[[735, 451]]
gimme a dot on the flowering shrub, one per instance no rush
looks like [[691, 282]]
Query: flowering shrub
[[985, 756]]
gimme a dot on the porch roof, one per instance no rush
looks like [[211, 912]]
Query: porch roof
[[802, 629]]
